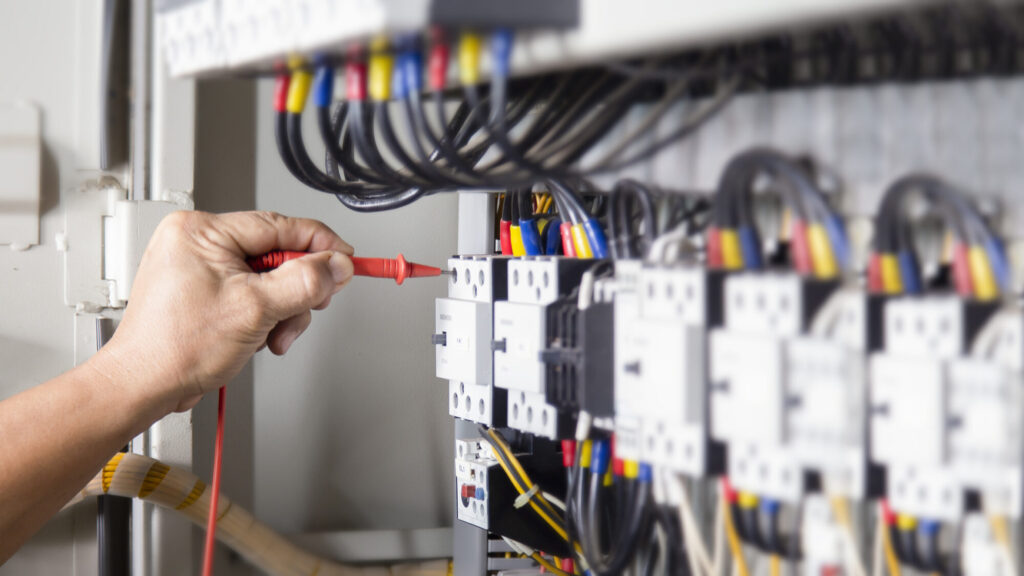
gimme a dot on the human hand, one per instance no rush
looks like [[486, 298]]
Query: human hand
[[197, 312]]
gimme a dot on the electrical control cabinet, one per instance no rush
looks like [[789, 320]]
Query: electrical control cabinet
[[523, 330], [462, 337]]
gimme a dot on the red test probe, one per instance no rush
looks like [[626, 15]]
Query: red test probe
[[397, 268]]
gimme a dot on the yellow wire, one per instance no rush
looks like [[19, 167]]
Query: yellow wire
[[732, 254], [890, 555], [891, 281], [775, 565], [981, 274], [1001, 532], [551, 567], [507, 451], [519, 488], [734, 540]]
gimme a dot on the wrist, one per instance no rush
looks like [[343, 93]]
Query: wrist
[[137, 394]]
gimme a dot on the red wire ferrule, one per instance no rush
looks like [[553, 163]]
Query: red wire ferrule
[[730, 494], [506, 237], [888, 516], [799, 249], [962, 270], [565, 231], [437, 66], [714, 248], [568, 453], [355, 81], [281, 92], [875, 284]]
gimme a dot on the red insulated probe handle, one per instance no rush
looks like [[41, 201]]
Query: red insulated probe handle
[[397, 268]]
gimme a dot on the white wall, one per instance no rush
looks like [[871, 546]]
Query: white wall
[[351, 427]]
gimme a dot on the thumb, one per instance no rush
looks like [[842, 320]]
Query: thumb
[[299, 285]]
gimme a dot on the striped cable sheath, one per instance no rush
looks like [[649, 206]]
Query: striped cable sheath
[[137, 476]]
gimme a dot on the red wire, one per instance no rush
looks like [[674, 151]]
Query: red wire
[[211, 519]]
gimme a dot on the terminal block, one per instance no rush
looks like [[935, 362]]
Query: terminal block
[[462, 338], [485, 497], [750, 374], [534, 344], [913, 420], [661, 366]]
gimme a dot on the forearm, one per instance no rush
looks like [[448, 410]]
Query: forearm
[[56, 436]]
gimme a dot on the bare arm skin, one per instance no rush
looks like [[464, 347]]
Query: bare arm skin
[[195, 317]]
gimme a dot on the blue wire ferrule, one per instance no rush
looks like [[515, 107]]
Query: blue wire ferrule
[[929, 527], [531, 236], [751, 247], [599, 458], [840, 245], [770, 507], [997, 259], [553, 237], [411, 65], [595, 234], [398, 88], [501, 48], [644, 473], [908, 272], [323, 86]]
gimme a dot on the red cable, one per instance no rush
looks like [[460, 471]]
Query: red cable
[[211, 518]]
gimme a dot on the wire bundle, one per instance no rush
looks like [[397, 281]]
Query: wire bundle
[[136, 476], [818, 245], [978, 265], [527, 227], [609, 508], [556, 121]]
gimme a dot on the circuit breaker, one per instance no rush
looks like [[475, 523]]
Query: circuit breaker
[[462, 338]]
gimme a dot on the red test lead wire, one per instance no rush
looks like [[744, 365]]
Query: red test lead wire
[[211, 517], [397, 268]]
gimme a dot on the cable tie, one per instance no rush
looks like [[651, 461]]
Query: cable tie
[[524, 498]]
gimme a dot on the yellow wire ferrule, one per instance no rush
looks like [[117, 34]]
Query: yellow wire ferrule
[[630, 468], [380, 71], [747, 500], [906, 522], [609, 477], [891, 281], [822, 258], [516, 236], [470, 47], [586, 452], [732, 254], [981, 274], [298, 91], [579, 240]]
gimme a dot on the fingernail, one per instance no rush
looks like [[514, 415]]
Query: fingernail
[[341, 267]]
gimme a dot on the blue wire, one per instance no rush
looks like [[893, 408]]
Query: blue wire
[[908, 272], [595, 234], [840, 245], [501, 47], [323, 86], [553, 237], [531, 236], [750, 247], [997, 259]]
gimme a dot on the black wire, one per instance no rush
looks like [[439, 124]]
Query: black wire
[[284, 150], [334, 129], [360, 120], [426, 171]]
